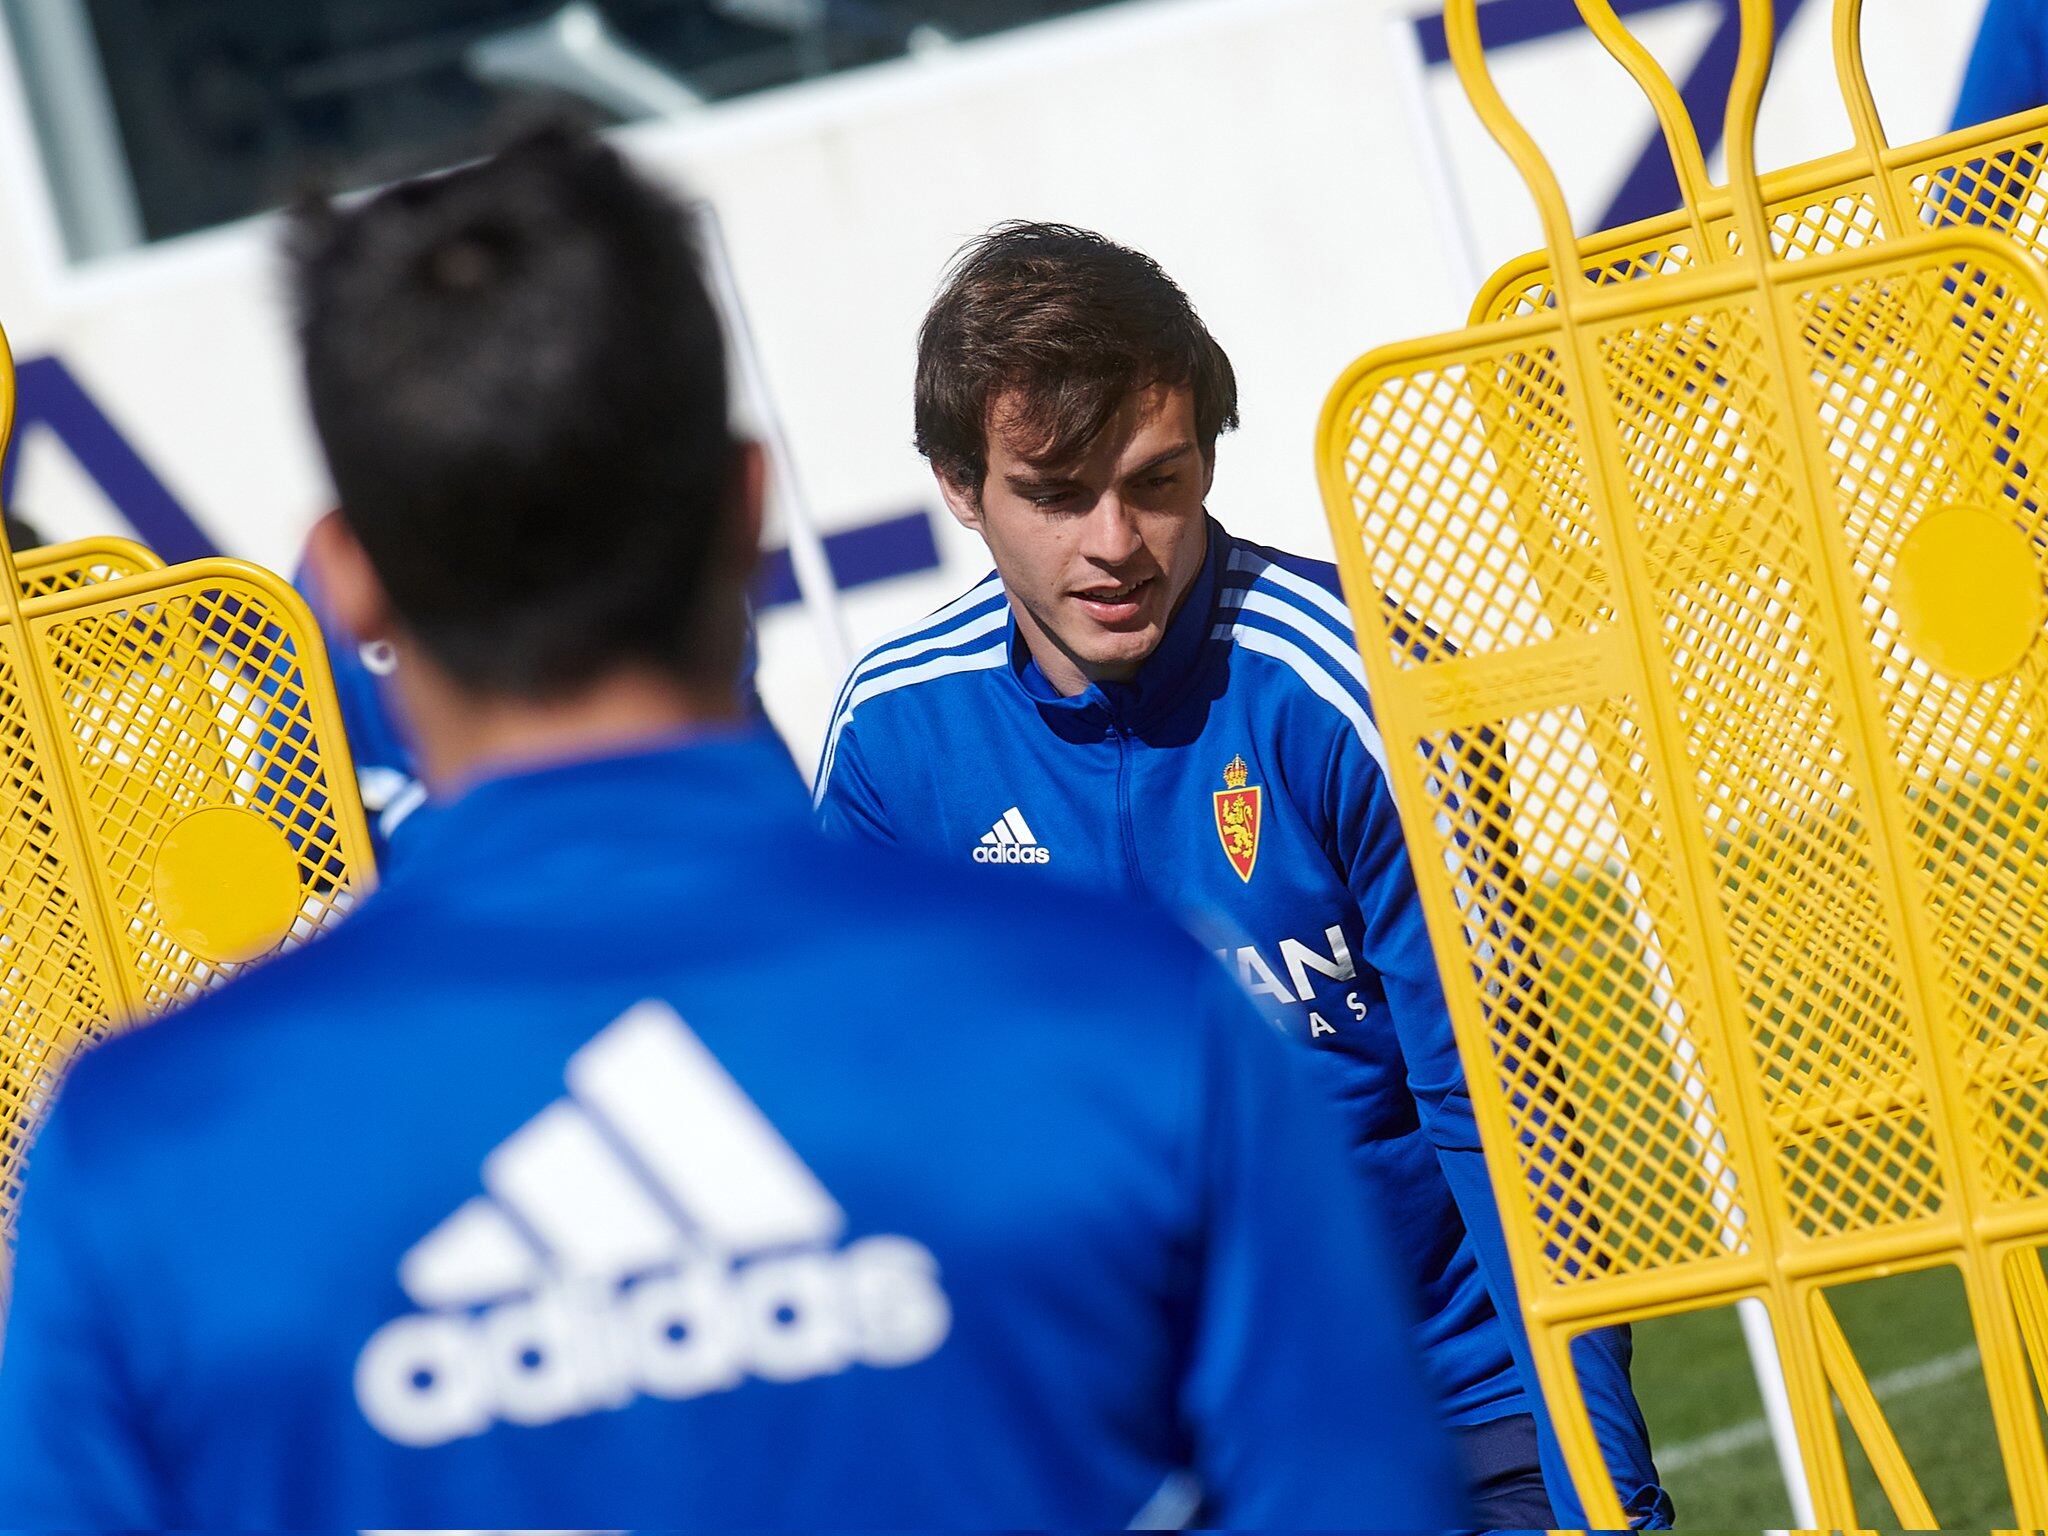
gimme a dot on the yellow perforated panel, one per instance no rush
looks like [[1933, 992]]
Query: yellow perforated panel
[[1765, 853], [54, 989], [1704, 618], [1994, 177], [178, 800], [194, 697], [80, 563]]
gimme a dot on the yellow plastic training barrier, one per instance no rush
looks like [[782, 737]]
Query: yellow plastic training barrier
[[1992, 175], [1721, 595], [176, 796], [81, 563]]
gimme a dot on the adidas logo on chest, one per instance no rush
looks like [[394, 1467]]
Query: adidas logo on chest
[[651, 1234], [1010, 841]]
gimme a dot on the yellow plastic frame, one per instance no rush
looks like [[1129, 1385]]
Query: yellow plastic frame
[[1658, 582], [1992, 175], [81, 563], [178, 798]]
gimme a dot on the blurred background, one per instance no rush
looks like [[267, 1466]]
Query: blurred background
[[1307, 169]]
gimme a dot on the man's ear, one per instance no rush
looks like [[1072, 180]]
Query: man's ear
[[749, 505], [347, 583], [1208, 470], [964, 503]]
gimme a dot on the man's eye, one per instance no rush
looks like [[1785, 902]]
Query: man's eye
[[1048, 500], [1160, 482]]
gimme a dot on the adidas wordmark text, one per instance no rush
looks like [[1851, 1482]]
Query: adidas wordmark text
[[651, 1234], [1010, 841]]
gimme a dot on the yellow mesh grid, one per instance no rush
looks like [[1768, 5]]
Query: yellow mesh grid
[[80, 563], [1721, 766], [1992, 175], [50, 991], [176, 798]]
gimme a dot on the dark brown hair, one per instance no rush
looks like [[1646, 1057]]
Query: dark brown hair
[[1067, 323], [519, 380]]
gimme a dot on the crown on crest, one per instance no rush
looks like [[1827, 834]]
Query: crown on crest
[[1235, 775]]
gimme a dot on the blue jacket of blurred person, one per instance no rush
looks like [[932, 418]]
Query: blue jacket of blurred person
[[2008, 68]]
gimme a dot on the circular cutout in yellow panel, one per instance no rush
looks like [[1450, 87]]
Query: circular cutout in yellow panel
[[227, 885], [1968, 592]]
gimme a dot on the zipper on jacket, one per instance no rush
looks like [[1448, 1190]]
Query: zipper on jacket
[[1123, 798]]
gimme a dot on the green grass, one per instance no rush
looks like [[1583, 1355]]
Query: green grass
[[1693, 1375], [1693, 1378]]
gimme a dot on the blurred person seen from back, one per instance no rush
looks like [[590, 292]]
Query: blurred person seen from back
[[381, 744], [2008, 67], [635, 1156]]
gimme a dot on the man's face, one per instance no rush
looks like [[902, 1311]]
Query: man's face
[[1095, 553]]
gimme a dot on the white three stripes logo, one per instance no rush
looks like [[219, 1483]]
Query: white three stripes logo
[[594, 1185], [652, 1233], [1011, 829], [1010, 841]]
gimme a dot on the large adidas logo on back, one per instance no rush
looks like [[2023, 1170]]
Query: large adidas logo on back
[[651, 1234]]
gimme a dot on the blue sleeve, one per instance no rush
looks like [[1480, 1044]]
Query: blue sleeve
[[1304, 1399], [1397, 947], [2008, 68], [75, 1450], [848, 803]]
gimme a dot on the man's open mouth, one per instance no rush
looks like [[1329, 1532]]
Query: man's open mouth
[[1108, 597]]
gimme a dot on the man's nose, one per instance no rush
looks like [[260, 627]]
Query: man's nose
[[1110, 535]]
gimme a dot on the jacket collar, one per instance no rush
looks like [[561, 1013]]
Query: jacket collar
[[701, 788], [1159, 682]]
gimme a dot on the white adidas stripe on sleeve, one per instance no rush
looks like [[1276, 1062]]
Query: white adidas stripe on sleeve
[[910, 636], [1317, 597], [1254, 599], [942, 666], [1316, 676]]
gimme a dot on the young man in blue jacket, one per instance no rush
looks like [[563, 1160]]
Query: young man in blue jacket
[[636, 1157], [1134, 700]]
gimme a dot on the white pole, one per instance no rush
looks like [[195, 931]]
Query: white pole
[[1757, 1335], [575, 51], [807, 558], [1777, 1397], [1432, 154], [1461, 251]]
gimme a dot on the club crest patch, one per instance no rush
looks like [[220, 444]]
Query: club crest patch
[[1238, 810]]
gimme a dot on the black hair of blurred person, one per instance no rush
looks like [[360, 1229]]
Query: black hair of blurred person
[[519, 380], [22, 535]]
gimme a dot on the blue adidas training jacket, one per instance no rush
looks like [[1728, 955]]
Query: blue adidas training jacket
[[1238, 782], [637, 1157]]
